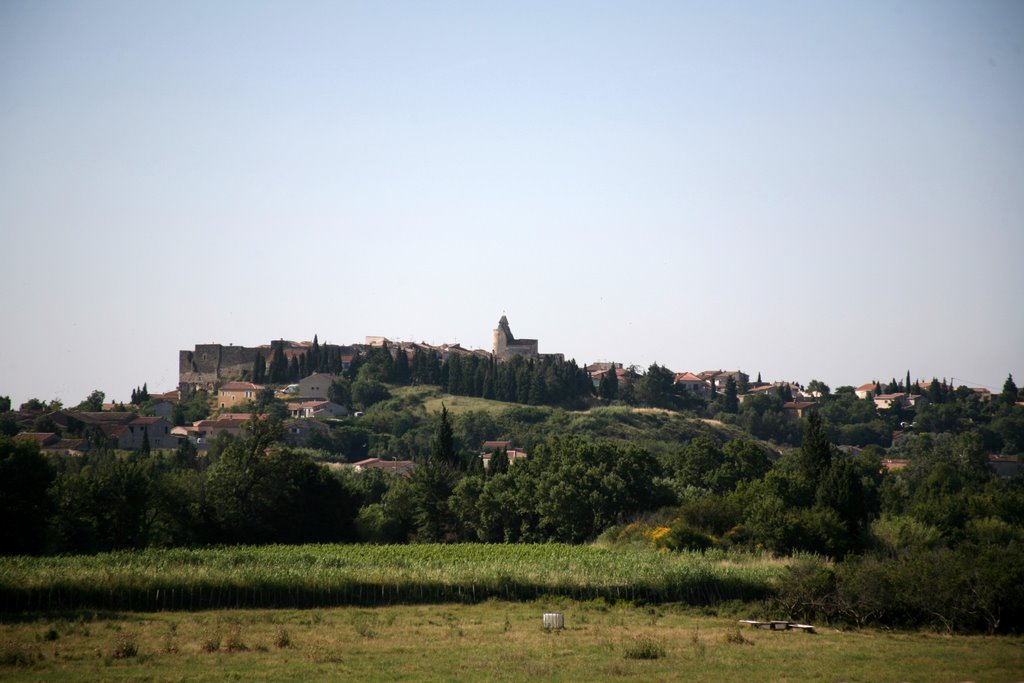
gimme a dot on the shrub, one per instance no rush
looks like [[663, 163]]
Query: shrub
[[644, 647], [282, 639], [685, 537], [125, 647]]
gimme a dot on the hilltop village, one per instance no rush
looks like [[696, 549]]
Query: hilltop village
[[308, 385]]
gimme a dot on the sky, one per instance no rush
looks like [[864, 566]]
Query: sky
[[803, 190]]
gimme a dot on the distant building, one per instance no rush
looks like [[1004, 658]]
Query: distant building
[[315, 386]]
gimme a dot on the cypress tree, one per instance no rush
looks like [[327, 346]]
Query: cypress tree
[[442, 447], [1010, 391], [732, 403]]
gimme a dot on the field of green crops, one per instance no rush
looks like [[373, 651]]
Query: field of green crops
[[327, 575]]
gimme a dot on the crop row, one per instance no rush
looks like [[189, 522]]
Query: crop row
[[324, 575]]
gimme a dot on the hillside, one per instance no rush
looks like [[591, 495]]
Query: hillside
[[413, 409]]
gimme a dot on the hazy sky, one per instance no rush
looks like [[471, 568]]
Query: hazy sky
[[829, 190]]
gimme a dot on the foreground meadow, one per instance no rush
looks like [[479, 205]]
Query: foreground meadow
[[493, 640]]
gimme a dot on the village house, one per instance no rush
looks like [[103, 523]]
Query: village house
[[718, 378], [865, 390], [315, 386], [200, 432], [316, 409], [692, 383], [885, 401], [231, 394]]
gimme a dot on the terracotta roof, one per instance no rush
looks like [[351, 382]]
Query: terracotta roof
[[240, 386], [687, 377], [491, 445], [306, 404], [101, 418], [870, 386], [798, 405]]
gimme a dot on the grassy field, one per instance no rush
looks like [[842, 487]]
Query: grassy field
[[497, 641], [328, 575]]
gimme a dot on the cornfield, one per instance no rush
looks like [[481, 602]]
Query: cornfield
[[327, 575]]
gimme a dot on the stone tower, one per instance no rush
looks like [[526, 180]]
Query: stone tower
[[506, 345], [501, 337]]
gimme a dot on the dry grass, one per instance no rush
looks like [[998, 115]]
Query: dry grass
[[496, 641]]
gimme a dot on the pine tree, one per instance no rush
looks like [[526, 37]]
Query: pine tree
[[908, 382]]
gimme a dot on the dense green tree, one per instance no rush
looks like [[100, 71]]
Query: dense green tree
[[5, 404], [33, 405], [367, 392], [25, 506], [340, 391], [93, 403], [498, 463], [432, 484], [656, 387], [608, 387], [818, 387], [815, 455], [400, 371]]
